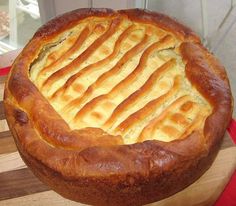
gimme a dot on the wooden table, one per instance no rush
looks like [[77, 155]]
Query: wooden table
[[18, 186]]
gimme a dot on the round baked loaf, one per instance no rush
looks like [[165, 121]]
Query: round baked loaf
[[117, 107]]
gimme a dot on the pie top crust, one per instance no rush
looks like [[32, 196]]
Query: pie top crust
[[119, 95], [122, 76]]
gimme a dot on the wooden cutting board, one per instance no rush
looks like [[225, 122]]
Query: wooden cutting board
[[18, 186]]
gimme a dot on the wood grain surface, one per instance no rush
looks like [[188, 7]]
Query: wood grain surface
[[18, 186]]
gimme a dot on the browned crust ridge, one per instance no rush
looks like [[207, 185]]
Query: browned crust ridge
[[108, 172]]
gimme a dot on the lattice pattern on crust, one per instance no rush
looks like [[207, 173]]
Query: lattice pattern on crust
[[122, 76]]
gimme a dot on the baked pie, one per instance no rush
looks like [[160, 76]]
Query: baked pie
[[117, 107]]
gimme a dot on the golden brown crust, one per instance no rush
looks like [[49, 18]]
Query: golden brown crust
[[109, 173], [162, 21], [68, 20], [209, 77]]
